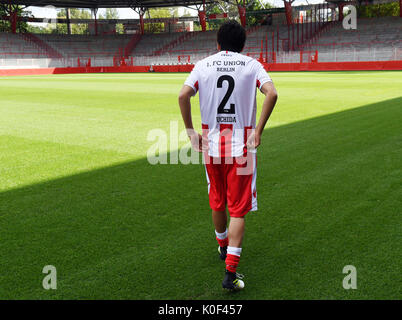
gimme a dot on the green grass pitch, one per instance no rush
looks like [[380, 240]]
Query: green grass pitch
[[77, 191]]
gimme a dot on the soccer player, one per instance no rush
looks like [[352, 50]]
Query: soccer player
[[227, 82]]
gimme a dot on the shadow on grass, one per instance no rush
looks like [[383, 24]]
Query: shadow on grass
[[327, 192]]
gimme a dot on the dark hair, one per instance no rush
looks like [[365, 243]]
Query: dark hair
[[231, 36]]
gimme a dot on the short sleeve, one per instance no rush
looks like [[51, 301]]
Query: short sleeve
[[193, 79], [262, 76]]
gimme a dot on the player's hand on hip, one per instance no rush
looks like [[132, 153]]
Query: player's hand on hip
[[198, 142], [254, 140]]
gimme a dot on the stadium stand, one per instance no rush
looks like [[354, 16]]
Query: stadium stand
[[86, 46], [150, 44], [16, 47], [198, 45], [17, 51], [375, 39], [60, 50], [99, 49]]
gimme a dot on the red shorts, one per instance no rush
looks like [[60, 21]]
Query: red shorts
[[232, 183]]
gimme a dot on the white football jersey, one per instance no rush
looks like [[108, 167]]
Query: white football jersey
[[227, 83]]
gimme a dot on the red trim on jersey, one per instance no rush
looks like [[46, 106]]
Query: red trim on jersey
[[258, 83], [196, 85], [205, 132], [247, 133], [225, 139]]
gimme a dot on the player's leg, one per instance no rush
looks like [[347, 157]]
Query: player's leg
[[241, 198], [236, 231], [217, 201], [220, 221], [236, 235]]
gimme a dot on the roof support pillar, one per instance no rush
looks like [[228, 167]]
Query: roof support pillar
[[400, 8], [142, 24], [68, 21], [242, 12], [141, 11], [13, 18], [202, 15], [288, 11], [203, 20], [95, 13]]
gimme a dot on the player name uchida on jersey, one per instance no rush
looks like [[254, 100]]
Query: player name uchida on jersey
[[227, 82]]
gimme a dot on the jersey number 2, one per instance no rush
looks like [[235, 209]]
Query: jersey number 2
[[221, 108]]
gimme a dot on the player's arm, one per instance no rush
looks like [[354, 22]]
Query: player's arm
[[271, 96], [185, 107]]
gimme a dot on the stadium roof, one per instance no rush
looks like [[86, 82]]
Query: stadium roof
[[106, 3]]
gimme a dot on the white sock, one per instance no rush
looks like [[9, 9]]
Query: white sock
[[221, 236], [234, 251]]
